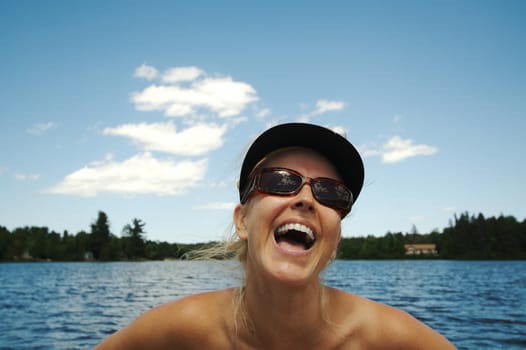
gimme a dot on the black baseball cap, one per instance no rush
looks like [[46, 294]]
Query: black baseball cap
[[333, 146]]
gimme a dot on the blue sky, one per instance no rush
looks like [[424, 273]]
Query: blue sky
[[144, 109]]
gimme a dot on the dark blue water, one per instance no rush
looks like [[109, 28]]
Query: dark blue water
[[477, 305]]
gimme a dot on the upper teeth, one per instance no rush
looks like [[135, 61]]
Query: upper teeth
[[297, 227]]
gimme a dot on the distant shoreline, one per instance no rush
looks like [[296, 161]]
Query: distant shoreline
[[469, 237]]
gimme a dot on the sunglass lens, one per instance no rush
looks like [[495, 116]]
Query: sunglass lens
[[279, 182], [332, 194]]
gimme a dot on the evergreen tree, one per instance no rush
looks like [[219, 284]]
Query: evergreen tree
[[100, 237], [134, 245], [5, 243]]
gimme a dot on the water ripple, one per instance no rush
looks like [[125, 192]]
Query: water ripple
[[477, 305]]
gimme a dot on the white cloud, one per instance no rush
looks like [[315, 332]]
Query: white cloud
[[261, 114], [323, 106], [24, 177], [221, 95], [217, 206], [449, 209], [195, 140], [140, 174], [180, 74], [396, 150], [237, 120], [304, 118], [146, 72], [41, 128], [339, 130], [365, 151], [220, 184]]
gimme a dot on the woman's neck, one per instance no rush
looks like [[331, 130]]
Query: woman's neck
[[279, 314]]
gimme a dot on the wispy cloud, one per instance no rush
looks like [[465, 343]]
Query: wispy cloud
[[185, 91], [26, 177], [304, 118], [216, 206], [140, 174], [397, 118], [195, 140], [324, 106], [41, 128], [263, 113], [339, 130], [146, 72], [396, 150], [219, 184], [180, 74]]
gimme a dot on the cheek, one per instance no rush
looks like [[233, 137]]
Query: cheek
[[337, 234], [256, 215], [334, 228], [265, 207], [262, 211]]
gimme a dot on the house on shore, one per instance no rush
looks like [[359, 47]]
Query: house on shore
[[420, 249]]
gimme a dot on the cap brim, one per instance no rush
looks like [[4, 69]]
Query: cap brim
[[340, 152]]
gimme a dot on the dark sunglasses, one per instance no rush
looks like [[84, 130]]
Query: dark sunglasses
[[284, 182]]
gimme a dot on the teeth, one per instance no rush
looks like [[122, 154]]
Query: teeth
[[296, 227]]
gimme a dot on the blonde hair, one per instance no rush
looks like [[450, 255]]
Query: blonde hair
[[230, 248]]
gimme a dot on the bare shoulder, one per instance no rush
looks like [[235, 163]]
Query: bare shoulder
[[399, 327], [378, 326], [180, 324]]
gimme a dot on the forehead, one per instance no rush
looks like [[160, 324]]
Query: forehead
[[304, 160]]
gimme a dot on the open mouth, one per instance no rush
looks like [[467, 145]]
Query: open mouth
[[294, 236]]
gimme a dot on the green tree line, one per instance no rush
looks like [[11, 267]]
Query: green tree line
[[466, 237], [100, 244]]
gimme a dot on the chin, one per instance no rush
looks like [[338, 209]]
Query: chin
[[293, 272]]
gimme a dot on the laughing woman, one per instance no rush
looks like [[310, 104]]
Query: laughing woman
[[297, 182]]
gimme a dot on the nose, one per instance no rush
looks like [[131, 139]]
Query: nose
[[304, 200]]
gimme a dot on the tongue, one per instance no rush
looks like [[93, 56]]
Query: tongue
[[290, 245]]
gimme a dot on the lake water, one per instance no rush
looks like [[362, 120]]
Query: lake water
[[477, 305]]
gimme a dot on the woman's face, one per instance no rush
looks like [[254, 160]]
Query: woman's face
[[290, 238]]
